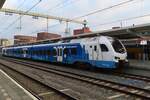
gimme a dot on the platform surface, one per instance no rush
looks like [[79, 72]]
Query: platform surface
[[140, 64], [11, 90]]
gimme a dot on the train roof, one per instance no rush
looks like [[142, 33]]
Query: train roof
[[73, 41]]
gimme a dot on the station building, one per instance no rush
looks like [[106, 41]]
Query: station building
[[139, 48], [21, 39], [5, 42], [46, 36], [81, 31]]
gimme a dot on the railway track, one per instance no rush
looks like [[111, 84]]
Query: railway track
[[123, 88], [133, 76], [37, 89], [63, 94], [116, 73]]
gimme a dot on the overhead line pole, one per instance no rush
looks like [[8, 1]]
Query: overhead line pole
[[47, 24]]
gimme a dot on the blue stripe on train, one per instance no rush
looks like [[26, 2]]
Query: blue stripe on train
[[95, 63]]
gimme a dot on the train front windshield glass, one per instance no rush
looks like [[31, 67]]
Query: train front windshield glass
[[118, 47]]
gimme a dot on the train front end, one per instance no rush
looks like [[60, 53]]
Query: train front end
[[120, 54]]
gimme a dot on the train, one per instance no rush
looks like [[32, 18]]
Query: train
[[98, 52]]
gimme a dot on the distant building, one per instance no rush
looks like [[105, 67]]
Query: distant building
[[45, 36], [81, 31], [5, 42], [21, 39]]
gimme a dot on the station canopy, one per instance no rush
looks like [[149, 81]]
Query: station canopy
[[120, 33], [135, 31]]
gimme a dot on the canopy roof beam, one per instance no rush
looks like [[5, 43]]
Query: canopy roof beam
[[42, 15]]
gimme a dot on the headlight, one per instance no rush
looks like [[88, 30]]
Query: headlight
[[117, 58]]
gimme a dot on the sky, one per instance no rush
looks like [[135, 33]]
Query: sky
[[117, 16]]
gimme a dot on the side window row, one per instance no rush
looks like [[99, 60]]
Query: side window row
[[102, 46], [41, 52], [72, 51]]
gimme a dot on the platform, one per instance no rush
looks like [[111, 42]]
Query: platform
[[11, 90], [140, 64]]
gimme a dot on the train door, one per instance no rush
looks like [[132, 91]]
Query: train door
[[59, 54], [24, 51], [106, 54], [65, 54], [93, 52]]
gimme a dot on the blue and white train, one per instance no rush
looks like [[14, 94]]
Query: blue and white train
[[100, 52]]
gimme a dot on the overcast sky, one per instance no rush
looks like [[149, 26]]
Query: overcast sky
[[72, 9]]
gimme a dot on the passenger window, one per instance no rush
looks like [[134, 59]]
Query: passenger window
[[37, 52], [73, 51], [54, 52], [66, 51], [95, 48], [43, 52], [103, 48], [32, 52], [48, 52], [21, 51], [27, 52]]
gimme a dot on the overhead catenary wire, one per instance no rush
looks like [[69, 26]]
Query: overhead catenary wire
[[95, 12], [57, 5], [16, 21], [88, 14], [104, 9], [100, 10], [22, 15], [125, 19], [43, 29], [54, 7], [65, 4], [21, 4], [18, 7], [122, 3]]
